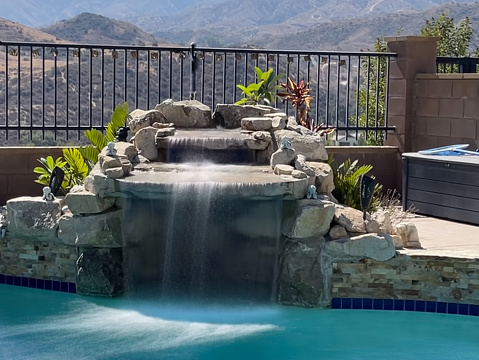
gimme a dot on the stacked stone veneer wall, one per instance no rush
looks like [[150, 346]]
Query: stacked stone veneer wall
[[38, 259], [446, 110], [414, 277]]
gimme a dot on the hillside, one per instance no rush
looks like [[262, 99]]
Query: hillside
[[209, 24], [96, 29], [360, 33], [37, 13], [13, 31]]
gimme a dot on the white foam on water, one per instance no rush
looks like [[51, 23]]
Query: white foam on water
[[118, 331]]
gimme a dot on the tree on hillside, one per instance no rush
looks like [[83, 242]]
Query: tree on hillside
[[454, 40]]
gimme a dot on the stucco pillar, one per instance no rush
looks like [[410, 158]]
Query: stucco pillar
[[415, 55]]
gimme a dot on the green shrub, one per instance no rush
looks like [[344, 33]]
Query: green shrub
[[346, 184]]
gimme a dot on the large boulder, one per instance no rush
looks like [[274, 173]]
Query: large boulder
[[139, 119], [311, 218], [372, 246], [145, 142], [81, 202], [230, 115], [186, 113], [351, 219], [34, 218], [99, 230], [324, 177], [301, 279], [311, 146], [100, 272]]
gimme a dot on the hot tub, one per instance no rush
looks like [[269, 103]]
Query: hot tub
[[442, 186]]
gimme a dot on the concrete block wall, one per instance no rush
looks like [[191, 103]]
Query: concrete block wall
[[446, 111]]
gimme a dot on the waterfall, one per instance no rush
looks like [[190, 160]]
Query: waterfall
[[198, 241]]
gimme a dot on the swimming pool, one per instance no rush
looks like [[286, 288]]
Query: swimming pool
[[39, 325]]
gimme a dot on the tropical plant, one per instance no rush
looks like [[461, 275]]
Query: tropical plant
[[263, 91], [346, 184], [99, 140], [74, 168], [298, 95], [76, 163]]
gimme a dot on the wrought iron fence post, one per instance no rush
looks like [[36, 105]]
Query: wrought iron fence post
[[193, 72]]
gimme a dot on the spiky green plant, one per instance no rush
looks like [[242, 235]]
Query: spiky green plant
[[346, 184]]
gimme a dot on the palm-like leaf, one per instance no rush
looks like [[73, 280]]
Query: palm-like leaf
[[117, 121], [96, 138]]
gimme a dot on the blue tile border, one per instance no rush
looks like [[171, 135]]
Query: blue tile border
[[42, 284], [405, 305]]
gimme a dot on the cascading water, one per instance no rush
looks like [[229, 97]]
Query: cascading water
[[199, 241]]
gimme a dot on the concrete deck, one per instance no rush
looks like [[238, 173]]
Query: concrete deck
[[445, 238]]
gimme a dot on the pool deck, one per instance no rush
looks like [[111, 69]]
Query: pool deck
[[445, 238]]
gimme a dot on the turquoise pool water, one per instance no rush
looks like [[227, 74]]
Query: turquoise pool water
[[37, 325]]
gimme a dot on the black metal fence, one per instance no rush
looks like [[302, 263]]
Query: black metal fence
[[459, 65], [51, 93]]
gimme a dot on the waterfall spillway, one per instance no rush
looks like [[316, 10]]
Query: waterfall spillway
[[201, 241]]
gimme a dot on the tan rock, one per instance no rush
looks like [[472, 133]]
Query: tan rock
[[324, 180], [372, 246], [145, 142], [350, 218], [256, 123], [283, 169], [84, 202], [311, 218], [115, 173]]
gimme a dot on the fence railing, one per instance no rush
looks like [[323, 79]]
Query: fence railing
[[459, 65], [56, 91]]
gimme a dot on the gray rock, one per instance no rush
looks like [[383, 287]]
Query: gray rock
[[282, 157], [260, 140], [351, 219], [145, 142], [164, 132], [283, 169], [372, 226], [296, 187], [310, 146], [324, 180], [139, 119], [278, 123], [98, 183], [264, 156], [99, 230], [186, 113], [301, 278], [115, 173], [163, 125], [301, 164], [256, 123], [338, 232], [310, 219], [230, 115], [274, 114], [299, 174], [100, 272], [372, 246], [108, 162], [34, 218], [81, 202], [124, 150]]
